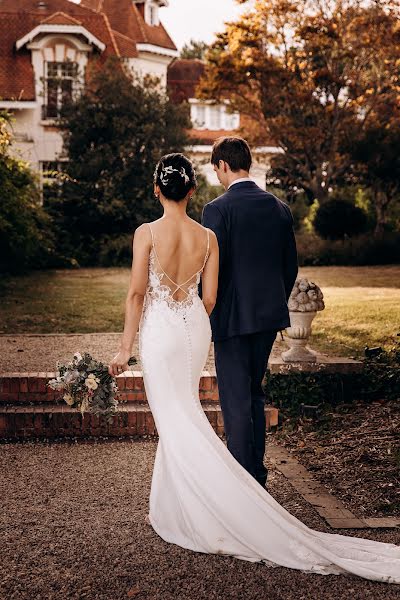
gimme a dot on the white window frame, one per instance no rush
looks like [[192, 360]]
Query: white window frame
[[74, 78], [152, 13]]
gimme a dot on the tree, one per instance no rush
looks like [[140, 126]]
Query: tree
[[338, 219], [376, 163], [194, 49], [311, 73], [204, 193], [114, 134], [26, 240]]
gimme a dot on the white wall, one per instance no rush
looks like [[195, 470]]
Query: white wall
[[35, 142], [151, 64], [258, 171]]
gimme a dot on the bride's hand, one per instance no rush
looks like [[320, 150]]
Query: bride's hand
[[119, 363]]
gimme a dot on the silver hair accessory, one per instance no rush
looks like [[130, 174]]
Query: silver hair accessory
[[166, 171]]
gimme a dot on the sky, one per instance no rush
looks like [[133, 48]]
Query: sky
[[197, 19]]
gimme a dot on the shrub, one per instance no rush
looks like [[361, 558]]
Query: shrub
[[338, 219], [115, 251], [380, 379], [363, 250], [26, 240], [114, 134]]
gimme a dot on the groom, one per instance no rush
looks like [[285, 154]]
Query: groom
[[258, 267]]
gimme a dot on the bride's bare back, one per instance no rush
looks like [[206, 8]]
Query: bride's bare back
[[181, 251]]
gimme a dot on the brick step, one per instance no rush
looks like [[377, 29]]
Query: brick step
[[52, 420], [30, 388]]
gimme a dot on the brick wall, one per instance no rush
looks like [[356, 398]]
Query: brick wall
[[29, 409]]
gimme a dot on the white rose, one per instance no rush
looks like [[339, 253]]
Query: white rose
[[91, 384], [69, 399], [56, 384], [93, 376]]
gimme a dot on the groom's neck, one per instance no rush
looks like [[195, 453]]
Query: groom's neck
[[233, 176]]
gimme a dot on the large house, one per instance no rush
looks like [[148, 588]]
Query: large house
[[45, 46], [212, 120]]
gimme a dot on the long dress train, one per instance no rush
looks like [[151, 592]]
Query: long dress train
[[201, 498]]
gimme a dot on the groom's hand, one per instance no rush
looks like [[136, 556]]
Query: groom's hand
[[119, 363]]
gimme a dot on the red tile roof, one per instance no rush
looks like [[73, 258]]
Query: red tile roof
[[61, 18], [126, 47], [126, 18], [19, 17], [183, 77], [117, 23], [208, 136]]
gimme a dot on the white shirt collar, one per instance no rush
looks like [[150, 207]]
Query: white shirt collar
[[240, 181]]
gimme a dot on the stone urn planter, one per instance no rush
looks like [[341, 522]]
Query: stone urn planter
[[304, 302]]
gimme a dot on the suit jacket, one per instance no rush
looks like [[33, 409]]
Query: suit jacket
[[258, 260]]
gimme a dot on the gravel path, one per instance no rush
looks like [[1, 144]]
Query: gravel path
[[40, 352], [73, 526]]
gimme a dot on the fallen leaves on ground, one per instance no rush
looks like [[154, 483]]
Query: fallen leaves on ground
[[355, 453]]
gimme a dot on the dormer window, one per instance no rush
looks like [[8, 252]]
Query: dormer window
[[153, 16], [149, 9], [151, 13]]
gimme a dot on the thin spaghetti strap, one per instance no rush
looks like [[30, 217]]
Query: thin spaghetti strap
[[208, 250], [179, 286], [152, 235]]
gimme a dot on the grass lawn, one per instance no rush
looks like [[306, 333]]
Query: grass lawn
[[362, 304], [362, 307]]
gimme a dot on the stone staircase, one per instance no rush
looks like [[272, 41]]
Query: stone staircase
[[30, 409]]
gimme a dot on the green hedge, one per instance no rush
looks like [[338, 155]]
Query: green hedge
[[380, 379], [362, 250]]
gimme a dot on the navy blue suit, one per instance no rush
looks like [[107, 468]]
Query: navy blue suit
[[258, 267]]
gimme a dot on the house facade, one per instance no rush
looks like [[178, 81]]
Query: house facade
[[45, 47], [211, 120]]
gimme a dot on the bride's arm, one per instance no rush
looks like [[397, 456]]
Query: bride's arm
[[209, 280], [135, 298]]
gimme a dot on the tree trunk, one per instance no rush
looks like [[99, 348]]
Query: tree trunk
[[381, 204], [319, 191]]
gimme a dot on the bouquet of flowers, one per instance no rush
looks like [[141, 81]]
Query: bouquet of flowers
[[87, 385]]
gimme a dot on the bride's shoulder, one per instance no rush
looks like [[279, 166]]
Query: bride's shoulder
[[143, 229], [142, 234], [199, 227], [206, 231]]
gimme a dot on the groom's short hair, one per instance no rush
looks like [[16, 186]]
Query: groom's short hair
[[233, 150]]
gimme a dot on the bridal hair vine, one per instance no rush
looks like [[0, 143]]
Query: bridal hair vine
[[166, 171]]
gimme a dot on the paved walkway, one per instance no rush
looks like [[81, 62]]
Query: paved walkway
[[38, 352], [72, 526]]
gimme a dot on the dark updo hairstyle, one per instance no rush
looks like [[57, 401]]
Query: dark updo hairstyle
[[175, 176]]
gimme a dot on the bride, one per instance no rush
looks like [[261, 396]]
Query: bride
[[201, 498]]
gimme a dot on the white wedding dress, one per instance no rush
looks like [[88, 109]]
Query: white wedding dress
[[201, 498]]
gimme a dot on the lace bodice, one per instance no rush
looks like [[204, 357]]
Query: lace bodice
[[162, 288]]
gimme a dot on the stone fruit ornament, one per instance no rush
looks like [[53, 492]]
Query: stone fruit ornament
[[304, 302], [306, 296]]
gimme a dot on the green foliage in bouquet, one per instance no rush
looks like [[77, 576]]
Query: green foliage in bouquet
[[87, 385]]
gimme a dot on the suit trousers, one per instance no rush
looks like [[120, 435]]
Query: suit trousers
[[241, 363]]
